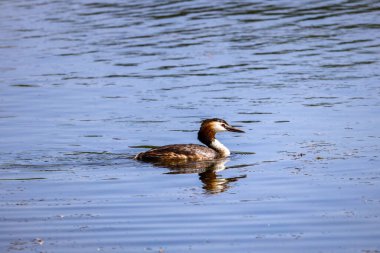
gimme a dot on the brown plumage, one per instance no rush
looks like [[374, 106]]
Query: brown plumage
[[194, 152], [191, 152]]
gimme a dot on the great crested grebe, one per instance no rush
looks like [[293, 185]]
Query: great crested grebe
[[193, 152]]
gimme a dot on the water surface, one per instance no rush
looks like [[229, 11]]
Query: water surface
[[85, 85]]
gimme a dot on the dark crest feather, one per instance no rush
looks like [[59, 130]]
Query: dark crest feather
[[206, 121]]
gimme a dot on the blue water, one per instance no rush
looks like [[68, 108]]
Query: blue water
[[84, 86]]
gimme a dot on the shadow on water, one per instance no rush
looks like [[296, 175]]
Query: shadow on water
[[208, 172]]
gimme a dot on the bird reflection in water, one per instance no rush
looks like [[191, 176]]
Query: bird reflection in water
[[208, 173]]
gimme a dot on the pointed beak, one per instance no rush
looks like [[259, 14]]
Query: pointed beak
[[233, 129]]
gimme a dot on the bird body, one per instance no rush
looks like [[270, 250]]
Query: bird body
[[190, 152], [214, 149]]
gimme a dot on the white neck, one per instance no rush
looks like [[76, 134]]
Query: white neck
[[220, 148]]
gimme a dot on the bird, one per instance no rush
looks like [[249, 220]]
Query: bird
[[214, 149]]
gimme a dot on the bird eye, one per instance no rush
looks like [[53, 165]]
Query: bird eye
[[224, 125]]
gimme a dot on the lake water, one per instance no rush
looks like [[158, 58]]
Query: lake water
[[85, 85]]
